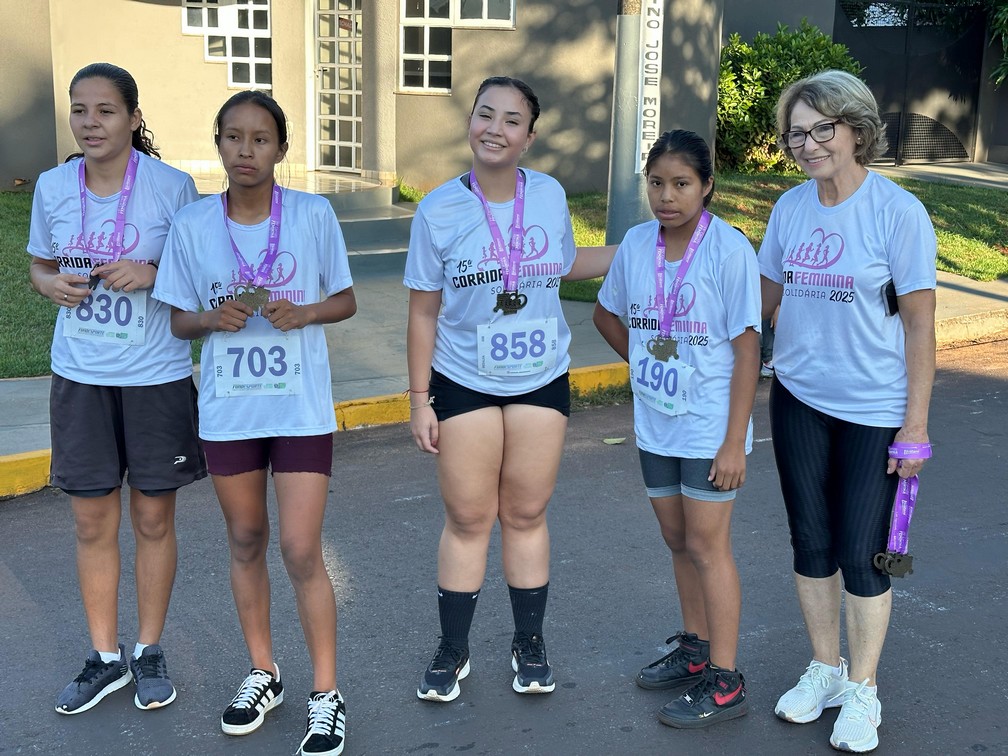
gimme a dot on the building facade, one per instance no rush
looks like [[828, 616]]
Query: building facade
[[381, 89]]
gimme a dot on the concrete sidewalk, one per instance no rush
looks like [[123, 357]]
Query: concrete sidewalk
[[368, 352], [368, 358]]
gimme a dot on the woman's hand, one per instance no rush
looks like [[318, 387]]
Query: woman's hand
[[126, 275], [728, 469], [230, 316], [424, 427], [907, 468]]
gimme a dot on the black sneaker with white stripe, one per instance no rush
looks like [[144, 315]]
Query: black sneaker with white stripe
[[258, 693], [326, 730]]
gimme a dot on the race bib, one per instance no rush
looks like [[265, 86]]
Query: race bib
[[663, 386], [247, 364], [108, 316], [506, 347]]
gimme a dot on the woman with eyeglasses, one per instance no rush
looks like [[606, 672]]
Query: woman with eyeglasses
[[850, 259]]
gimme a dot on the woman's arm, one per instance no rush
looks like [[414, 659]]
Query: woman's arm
[[772, 294], [424, 307], [729, 467], [917, 310], [286, 316], [591, 262], [613, 331]]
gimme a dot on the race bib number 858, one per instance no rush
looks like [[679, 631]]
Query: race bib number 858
[[507, 347]]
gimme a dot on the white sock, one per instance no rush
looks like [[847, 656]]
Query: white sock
[[109, 656], [138, 649]]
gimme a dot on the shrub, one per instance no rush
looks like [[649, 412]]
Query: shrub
[[751, 79]]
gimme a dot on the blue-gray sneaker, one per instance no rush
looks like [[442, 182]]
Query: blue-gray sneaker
[[96, 681], [153, 688]]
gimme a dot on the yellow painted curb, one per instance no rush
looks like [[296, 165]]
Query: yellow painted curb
[[378, 410], [23, 473], [394, 408], [599, 376], [29, 471]]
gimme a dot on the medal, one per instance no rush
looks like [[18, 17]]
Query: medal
[[662, 348], [254, 296], [509, 255], [664, 345], [509, 302], [252, 288]]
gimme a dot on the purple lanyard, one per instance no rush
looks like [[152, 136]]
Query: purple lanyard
[[507, 256], [115, 241], [264, 272], [667, 307], [906, 497]]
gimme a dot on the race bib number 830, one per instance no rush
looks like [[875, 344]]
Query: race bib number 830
[[108, 316]]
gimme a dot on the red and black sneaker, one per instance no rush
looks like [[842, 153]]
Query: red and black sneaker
[[685, 664], [720, 695]]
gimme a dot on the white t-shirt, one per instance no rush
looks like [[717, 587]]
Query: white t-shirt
[[835, 348], [56, 234], [200, 271], [449, 251], [721, 297]]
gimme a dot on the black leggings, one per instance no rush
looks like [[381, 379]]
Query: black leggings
[[837, 493]]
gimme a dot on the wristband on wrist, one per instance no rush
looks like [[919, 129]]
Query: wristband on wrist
[[428, 403]]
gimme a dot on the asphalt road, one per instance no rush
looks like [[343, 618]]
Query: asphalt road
[[612, 604]]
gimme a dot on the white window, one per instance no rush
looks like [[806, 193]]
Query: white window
[[237, 33], [425, 37]]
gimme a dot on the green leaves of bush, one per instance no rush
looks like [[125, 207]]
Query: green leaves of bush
[[751, 79]]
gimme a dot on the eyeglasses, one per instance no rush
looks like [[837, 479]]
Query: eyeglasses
[[821, 133]]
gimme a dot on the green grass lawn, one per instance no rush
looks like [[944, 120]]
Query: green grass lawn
[[969, 221]]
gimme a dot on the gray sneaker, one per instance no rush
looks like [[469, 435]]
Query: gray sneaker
[[96, 681], [153, 688]]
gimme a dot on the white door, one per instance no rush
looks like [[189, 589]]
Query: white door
[[338, 84]]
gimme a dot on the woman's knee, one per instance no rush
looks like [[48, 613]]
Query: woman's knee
[[302, 560], [247, 543], [153, 524], [524, 517]]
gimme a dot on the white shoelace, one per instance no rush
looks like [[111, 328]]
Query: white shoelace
[[251, 689], [322, 718]]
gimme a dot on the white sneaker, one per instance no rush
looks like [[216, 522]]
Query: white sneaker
[[856, 728], [820, 687], [766, 370]]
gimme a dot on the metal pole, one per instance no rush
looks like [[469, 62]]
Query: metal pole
[[626, 192]]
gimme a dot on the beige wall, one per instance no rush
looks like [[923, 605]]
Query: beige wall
[[180, 93], [26, 106], [564, 51]]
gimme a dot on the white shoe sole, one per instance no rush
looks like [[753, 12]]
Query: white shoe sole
[[255, 724], [154, 704], [122, 682], [533, 688], [451, 695]]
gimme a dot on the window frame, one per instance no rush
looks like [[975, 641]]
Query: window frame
[[227, 14]]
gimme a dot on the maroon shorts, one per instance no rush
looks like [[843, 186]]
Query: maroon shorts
[[281, 454]]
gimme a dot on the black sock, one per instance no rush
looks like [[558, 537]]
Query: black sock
[[456, 611], [528, 605]]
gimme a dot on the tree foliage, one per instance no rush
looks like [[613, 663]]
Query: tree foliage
[[751, 79]]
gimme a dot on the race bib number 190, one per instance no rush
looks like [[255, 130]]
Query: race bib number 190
[[108, 316], [506, 347], [257, 365], [663, 386]]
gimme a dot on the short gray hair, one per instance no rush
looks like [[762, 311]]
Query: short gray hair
[[839, 95]]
